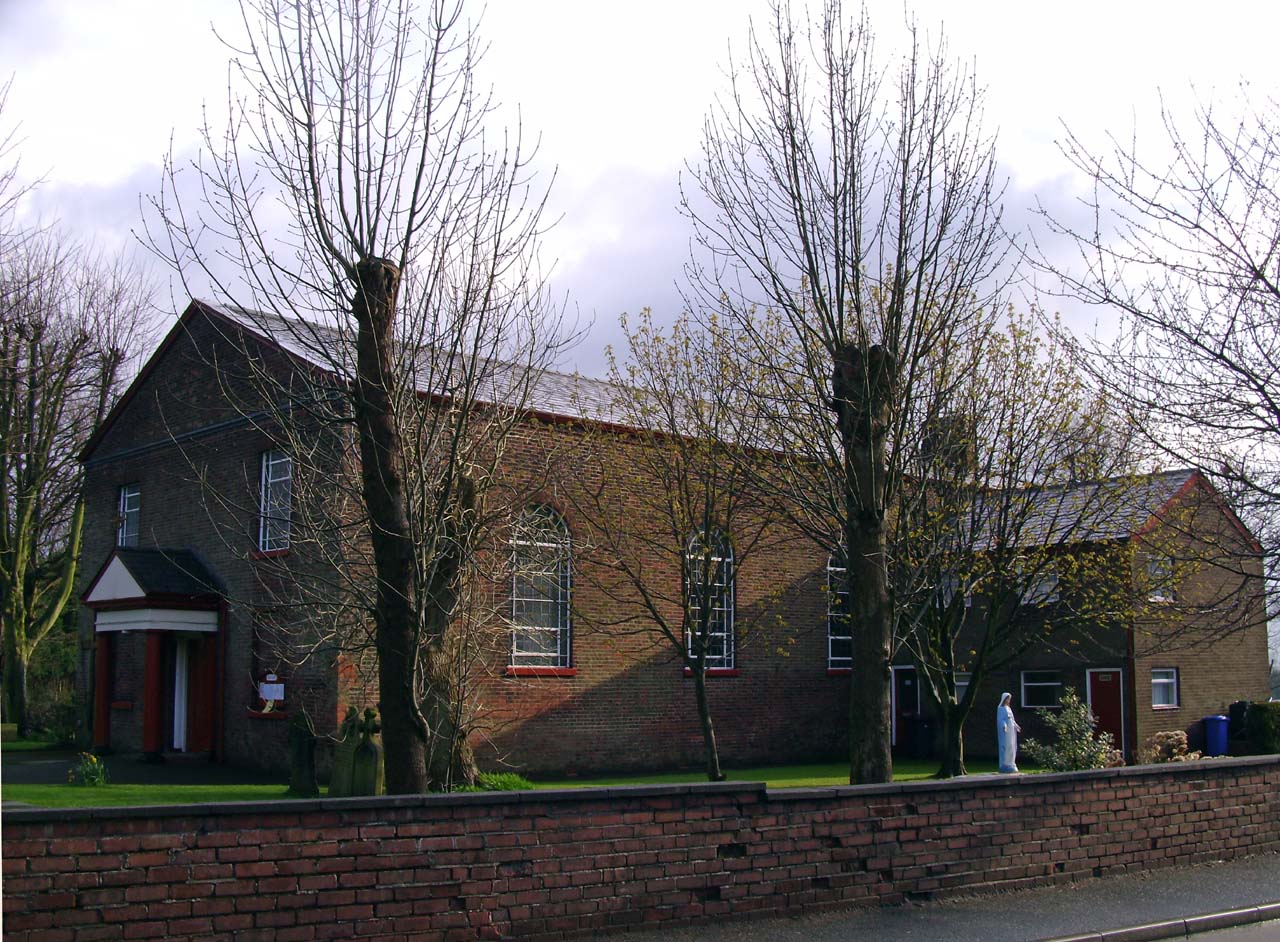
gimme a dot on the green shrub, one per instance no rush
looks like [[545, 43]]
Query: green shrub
[[1077, 747], [88, 770], [497, 782], [1262, 726]]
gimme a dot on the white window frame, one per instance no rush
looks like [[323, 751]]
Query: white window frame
[[839, 620], [720, 653], [948, 585], [275, 500], [541, 547], [1166, 678], [962, 680], [1039, 683], [128, 510], [1042, 588], [1159, 578]]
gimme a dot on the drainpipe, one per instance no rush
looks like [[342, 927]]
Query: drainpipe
[[1131, 692]]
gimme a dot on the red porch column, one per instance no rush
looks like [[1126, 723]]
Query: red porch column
[[103, 670], [152, 714]]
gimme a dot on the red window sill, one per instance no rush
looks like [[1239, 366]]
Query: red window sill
[[269, 554], [714, 672], [272, 715], [839, 671], [542, 672], [122, 704]]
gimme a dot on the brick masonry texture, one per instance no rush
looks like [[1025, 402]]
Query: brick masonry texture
[[190, 437], [550, 865]]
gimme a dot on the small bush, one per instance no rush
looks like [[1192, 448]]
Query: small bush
[[1262, 726], [503, 782], [88, 770], [497, 782], [1077, 747], [1170, 746]]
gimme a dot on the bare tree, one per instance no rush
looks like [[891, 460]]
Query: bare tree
[[852, 214], [665, 553], [378, 230], [1184, 244], [73, 321]]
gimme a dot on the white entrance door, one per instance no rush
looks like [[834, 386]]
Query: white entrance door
[[181, 650]]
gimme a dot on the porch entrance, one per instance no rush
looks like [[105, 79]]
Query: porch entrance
[[189, 692]]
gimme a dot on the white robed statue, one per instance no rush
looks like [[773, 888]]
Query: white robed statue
[[1007, 731]]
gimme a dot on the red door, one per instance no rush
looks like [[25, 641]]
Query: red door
[[1106, 701], [200, 696], [906, 702]]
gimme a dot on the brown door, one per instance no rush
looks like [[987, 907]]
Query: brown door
[[1106, 701]]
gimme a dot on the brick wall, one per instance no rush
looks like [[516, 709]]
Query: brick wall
[[551, 864], [624, 703]]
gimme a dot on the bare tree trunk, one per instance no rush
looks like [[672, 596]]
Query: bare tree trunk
[[952, 742], [450, 760], [714, 772], [15, 693], [862, 387], [381, 457]]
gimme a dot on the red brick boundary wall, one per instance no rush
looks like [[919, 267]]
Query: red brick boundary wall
[[550, 864]]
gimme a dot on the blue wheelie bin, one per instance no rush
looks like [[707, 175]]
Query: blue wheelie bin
[[1215, 735]]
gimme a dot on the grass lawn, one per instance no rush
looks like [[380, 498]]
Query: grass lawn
[[34, 745], [782, 776], [778, 776], [81, 796]]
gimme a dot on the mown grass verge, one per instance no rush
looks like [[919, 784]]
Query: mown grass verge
[[786, 776]]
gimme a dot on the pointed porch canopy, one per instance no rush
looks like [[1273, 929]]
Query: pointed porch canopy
[[153, 590]]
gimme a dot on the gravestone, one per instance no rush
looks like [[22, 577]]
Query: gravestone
[[344, 755], [366, 769], [302, 756]]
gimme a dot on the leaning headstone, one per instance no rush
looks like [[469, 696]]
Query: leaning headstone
[[366, 772], [344, 755], [302, 757]]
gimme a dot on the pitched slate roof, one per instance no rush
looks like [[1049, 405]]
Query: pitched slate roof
[[325, 347], [1096, 511], [168, 572]]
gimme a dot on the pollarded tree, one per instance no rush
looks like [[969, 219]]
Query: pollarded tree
[[372, 223], [851, 212]]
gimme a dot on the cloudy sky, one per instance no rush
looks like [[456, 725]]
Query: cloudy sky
[[617, 91]]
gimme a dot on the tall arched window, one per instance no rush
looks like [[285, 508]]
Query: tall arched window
[[839, 632], [709, 594], [541, 567]]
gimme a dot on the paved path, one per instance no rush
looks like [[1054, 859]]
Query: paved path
[[1090, 906]]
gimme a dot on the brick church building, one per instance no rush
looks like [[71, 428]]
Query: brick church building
[[189, 548]]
